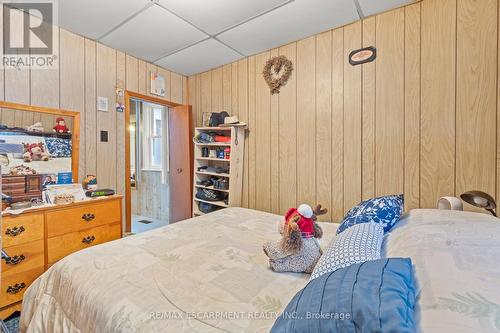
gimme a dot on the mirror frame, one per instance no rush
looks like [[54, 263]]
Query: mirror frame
[[75, 134]]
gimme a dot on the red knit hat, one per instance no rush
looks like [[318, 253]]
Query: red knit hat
[[306, 223]]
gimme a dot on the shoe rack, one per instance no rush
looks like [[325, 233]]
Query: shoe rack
[[205, 155]]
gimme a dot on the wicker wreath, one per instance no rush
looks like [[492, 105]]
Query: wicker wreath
[[276, 72]]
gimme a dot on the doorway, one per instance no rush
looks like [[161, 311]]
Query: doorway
[[158, 163], [149, 165]]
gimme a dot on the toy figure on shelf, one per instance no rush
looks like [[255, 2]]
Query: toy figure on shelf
[[90, 182], [298, 249], [61, 126]]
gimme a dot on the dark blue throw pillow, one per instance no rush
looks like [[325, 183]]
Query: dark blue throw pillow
[[58, 147], [374, 296], [385, 210]]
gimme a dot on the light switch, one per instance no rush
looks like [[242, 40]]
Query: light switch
[[104, 136]]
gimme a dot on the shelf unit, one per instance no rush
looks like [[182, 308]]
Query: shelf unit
[[234, 163], [226, 175], [213, 144]]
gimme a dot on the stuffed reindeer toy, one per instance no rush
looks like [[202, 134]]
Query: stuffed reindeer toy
[[298, 250]]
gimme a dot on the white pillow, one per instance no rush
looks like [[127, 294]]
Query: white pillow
[[359, 243]]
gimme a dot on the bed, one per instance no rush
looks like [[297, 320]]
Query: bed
[[456, 256], [208, 274], [182, 276], [57, 145]]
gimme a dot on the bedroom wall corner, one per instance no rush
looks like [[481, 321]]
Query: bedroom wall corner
[[422, 120], [88, 69]]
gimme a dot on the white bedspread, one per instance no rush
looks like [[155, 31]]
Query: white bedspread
[[207, 274], [457, 262]]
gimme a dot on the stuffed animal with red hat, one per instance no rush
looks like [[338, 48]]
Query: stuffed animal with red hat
[[61, 126], [298, 249]]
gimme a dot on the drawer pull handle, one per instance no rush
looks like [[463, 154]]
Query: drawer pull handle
[[16, 288], [16, 231], [88, 239], [15, 260], [88, 217]]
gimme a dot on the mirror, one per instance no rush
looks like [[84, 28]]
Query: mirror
[[49, 138]]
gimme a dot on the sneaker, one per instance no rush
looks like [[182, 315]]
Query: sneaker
[[209, 195]]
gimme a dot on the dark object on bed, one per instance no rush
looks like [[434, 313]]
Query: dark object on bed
[[481, 200], [375, 296]]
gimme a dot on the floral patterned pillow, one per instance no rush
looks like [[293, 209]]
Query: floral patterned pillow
[[58, 147], [385, 210]]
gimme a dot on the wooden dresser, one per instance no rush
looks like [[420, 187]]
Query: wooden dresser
[[38, 238]]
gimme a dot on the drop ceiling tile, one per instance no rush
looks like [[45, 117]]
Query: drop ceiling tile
[[216, 15], [199, 58], [152, 34], [370, 7], [94, 18], [288, 23]]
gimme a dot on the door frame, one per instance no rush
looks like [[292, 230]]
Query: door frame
[[128, 194]]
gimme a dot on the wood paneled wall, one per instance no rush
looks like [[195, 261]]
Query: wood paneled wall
[[23, 119], [421, 120], [151, 198], [86, 70]]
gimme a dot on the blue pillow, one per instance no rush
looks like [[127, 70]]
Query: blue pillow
[[385, 210], [375, 296], [58, 147], [360, 243]]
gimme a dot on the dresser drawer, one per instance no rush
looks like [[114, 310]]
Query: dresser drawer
[[68, 220], [21, 229], [14, 286], [13, 188], [60, 246], [23, 257], [13, 180]]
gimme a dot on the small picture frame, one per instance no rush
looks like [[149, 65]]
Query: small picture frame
[[205, 119], [102, 104], [48, 179], [157, 84]]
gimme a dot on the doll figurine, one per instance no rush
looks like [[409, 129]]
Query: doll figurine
[[298, 249], [61, 126]]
